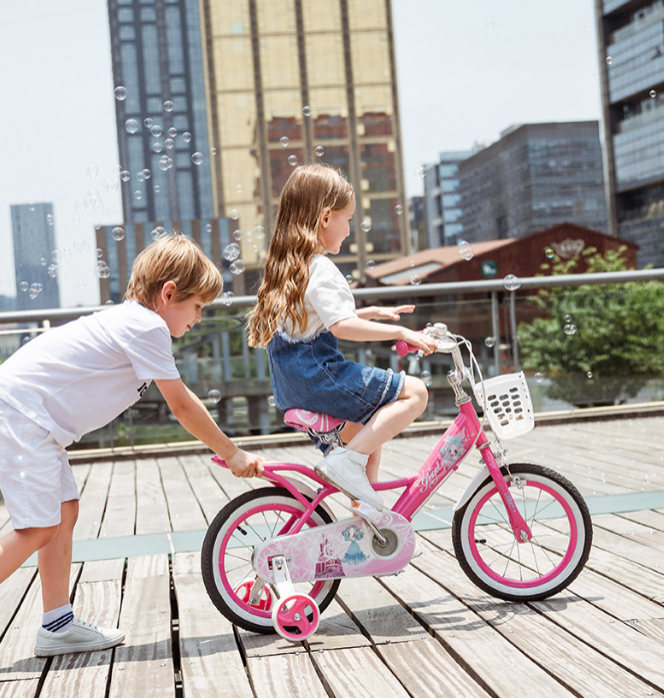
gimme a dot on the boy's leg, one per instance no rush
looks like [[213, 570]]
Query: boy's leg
[[17, 546], [54, 560]]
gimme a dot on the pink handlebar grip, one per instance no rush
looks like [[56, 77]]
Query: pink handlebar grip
[[404, 348]]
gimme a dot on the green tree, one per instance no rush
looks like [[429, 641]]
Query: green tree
[[612, 341]]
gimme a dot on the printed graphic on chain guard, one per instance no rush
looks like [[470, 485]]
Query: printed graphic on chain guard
[[346, 548]]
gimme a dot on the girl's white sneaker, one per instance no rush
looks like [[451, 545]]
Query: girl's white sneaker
[[81, 637], [346, 470]]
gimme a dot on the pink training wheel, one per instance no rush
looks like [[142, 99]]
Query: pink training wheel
[[243, 592], [291, 617]]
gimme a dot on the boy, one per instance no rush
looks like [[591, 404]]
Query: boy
[[77, 378]]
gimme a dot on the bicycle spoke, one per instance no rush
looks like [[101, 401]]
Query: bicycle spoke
[[493, 504], [239, 567]]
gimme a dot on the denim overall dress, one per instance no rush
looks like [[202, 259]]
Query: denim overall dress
[[312, 374]]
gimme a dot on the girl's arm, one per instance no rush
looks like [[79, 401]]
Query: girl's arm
[[380, 313], [357, 329]]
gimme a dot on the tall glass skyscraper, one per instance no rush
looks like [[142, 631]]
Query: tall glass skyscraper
[[631, 58], [297, 81], [161, 114]]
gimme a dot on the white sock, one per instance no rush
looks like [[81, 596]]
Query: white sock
[[59, 619]]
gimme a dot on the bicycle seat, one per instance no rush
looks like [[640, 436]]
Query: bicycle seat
[[304, 420]]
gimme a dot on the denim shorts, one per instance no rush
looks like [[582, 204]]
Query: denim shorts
[[312, 374]]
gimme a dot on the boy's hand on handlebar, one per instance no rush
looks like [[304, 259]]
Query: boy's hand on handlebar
[[244, 464], [419, 339]]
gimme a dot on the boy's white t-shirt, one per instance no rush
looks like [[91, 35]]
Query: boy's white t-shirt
[[328, 299], [79, 377]]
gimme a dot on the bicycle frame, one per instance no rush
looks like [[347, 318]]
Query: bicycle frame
[[453, 446]]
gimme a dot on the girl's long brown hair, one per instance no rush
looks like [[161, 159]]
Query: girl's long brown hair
[[308, 192]]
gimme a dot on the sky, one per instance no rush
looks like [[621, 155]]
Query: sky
[[466, 71]]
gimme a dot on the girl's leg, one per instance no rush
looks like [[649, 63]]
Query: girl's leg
[[55, 560], [347, 435], [391, 419], [17, 546]]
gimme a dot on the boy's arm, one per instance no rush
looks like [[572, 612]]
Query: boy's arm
[[357, 329], [374, 312], [195, 418]]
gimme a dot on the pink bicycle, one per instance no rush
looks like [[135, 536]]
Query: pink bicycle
[[273, 558]]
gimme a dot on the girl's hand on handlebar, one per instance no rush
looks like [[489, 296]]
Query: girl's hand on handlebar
[[244, 464], [419, 339]]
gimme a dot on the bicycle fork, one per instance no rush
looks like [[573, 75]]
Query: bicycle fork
[[517, 522]]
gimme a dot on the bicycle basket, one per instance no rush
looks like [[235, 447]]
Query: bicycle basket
[[509, 408]]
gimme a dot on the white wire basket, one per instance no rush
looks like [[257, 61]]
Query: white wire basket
[[508, 407]]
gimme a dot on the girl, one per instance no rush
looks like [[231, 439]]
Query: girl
[[304, 307]]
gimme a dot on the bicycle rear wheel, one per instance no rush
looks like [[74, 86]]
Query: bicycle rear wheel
[[558, 519], [226, 557]]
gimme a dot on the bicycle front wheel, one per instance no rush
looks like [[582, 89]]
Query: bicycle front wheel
[[558, 519]]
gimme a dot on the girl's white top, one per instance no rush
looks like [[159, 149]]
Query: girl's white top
[[328, 299]]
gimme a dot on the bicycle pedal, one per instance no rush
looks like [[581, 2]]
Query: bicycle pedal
[[366, 511]]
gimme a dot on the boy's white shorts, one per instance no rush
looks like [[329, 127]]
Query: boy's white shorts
[[35, 475]]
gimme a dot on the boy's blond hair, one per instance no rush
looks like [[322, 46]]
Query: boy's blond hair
[[174, 258]]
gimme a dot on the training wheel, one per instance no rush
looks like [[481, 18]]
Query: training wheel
[[291, 617], [243, 592]]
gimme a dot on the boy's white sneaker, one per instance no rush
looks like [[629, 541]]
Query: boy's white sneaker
[[81, 637], [346, 470]]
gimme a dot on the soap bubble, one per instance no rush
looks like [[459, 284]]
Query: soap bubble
[[213, 151], [157, 146], [284, 140], [32, 206], [148, 123], [208, 228], [80, 204], [609, 60], [186, 137], [422, 172], [426, 377], [33, 292], [415, 280], [653, 94], [238, 188], [92, 171], [56, 256], [490, 341], [237, 235], [589, 374], [25, 341], [568, 318], [165, 163], [109, 302], [52, 271], [234, 214], [214, 396], [259, 232], [78, 244], [197, 158], [371, 265], [549, 253], [511, 282], [249, 236], [118, 234], [156, 188], [292, 160], [147, 173], [398, 209], [4, 283], [102, 270], [140, 177], [24, 286], [226, 297], [125, 175], [570, 329], [465, 250], [156, 130], [169, 143], [138, 195], [168, 105], [81, 285], [306, 111], [131, 125], [110, 185], [172, 132], [237, 267], [158, 232], [538, 377], [120, 93], [49, 219], [349, 278], [43, 261], [365, 225], [319, 151]]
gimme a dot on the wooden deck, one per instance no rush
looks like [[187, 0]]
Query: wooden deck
[[427, 632]]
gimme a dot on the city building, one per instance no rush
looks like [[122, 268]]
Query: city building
[[33, 232], [533, 177], [631, 58], [300, 81], [417, 219], [161, 111], [442, 199]]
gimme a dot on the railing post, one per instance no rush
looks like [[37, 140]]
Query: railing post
[[515, 338], [495, 330]]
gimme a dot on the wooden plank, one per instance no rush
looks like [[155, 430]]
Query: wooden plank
[[18, 689], [81, 472], [258, 645], [653, 628], [12, 593], [209, 653], [291, 675], [102, 570], [211, 498], [427, 669], [93, 501], [632, 530], [151, 507], [143, 665], [487, 656], [357, 673], [120, 514], [17, 660], [650, 518], [336, 630], [183, 508], [377, 611]]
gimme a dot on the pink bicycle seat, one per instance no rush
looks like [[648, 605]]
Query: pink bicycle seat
[[304, 420]]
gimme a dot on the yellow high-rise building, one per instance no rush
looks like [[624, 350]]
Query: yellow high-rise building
[[298, 81]]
